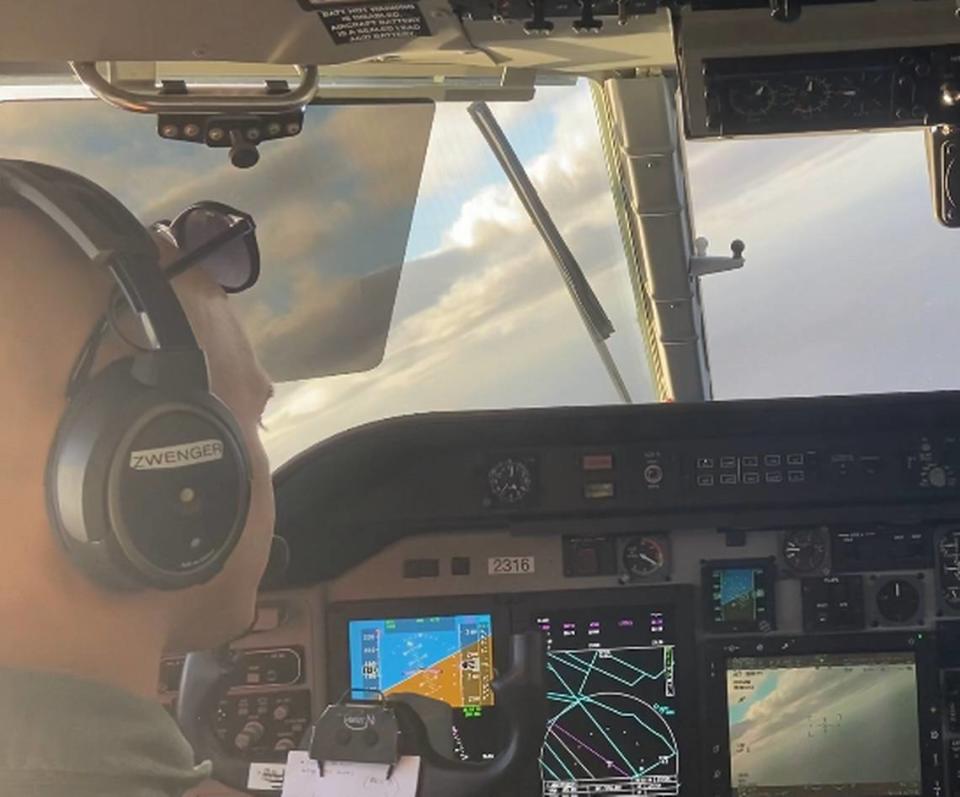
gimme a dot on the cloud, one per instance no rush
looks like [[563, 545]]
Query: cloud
[[849, 284], [333, 208], [458, 154], [834, 725], [485, 321]]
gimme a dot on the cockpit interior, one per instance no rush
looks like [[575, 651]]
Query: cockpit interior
[[570, 501]]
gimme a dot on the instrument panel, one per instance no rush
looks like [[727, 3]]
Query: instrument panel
[[738, 600], [721, 621]]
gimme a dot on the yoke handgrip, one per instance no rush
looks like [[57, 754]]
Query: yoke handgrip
[[206, 677]]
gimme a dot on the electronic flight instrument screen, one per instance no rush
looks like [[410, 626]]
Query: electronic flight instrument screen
[[448, 658], [613, 691], [834, 724], [740, 595]]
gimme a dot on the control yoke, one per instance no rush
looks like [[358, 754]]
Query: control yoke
[[521, 699], [519, 694]]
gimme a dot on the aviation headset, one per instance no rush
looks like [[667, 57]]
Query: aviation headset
[[148, 477]]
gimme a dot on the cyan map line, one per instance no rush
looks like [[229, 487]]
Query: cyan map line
[[578, 700], [590, 716]]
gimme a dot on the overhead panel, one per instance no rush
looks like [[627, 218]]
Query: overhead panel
[[722, 42], [433, 34]]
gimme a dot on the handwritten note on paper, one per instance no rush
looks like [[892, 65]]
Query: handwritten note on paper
[[346, 779], [301, 776]]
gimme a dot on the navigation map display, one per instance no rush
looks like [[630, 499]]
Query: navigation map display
[[448, 658], [838, 724], [612, 691]]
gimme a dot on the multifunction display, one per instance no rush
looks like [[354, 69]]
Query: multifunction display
[[613, 691], [828, 724]]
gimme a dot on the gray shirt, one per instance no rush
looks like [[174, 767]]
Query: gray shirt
[[67, 737]]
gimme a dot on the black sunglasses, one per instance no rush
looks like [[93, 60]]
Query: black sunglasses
[[220, 239], [212, 236]]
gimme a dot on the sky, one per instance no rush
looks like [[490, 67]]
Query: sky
[[849, 284]]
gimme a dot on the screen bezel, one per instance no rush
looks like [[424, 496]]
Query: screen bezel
[[680, 597], [715, 715], [708, 568]]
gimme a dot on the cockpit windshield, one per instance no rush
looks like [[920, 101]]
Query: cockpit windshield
[[845, 285], [850, 282], [483, 319]]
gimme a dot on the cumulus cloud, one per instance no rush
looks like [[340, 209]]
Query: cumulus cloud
[[484, 320], [333, 208], [460, 154], [835, 725]]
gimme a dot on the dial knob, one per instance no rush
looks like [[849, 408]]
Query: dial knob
[[653, 474], [284, 745], [281, 712], [254, 730], [937, 476]]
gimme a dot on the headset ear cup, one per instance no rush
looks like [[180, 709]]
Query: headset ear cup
[[147, 488]]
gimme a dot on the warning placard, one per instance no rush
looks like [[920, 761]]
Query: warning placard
[[354, 24]]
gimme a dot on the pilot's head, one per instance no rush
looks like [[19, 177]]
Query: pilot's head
[[52, 615]]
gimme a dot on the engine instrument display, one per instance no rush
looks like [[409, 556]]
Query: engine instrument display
[[612, 687], [739, 595], [830, 724], [448, 658]]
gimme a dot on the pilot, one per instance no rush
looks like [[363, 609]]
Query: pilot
[[79, 661]]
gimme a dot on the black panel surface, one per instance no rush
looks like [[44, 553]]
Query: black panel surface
[[808, 92], [752, 464]]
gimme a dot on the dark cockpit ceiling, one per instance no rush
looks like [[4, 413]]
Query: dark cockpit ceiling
[[692, 567]]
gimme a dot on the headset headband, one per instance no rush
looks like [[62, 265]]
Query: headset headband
[[104, 230]]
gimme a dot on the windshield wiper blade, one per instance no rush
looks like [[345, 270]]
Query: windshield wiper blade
[[588, 305]]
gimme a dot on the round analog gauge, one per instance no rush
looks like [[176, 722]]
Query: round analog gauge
[[510, 480], [643, 557], [753, 98], [898, 600], [812, 96], [805, 550]]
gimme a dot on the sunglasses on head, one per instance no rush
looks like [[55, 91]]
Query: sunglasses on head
[[217, 238]]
